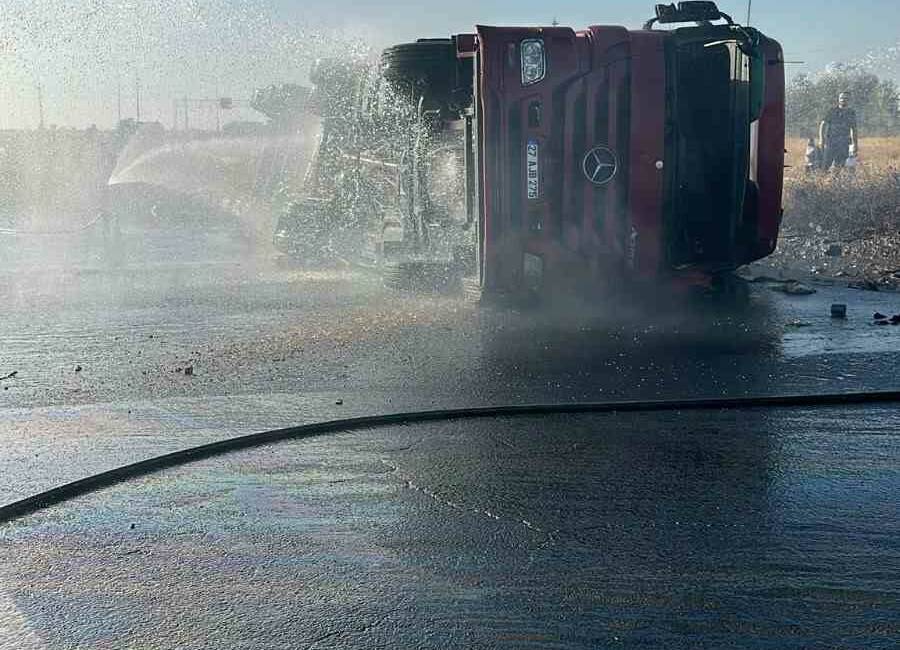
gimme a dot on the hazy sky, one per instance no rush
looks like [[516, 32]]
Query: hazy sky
[[81, 51]]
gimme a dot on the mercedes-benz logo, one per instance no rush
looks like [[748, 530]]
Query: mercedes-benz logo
[[600, 165]]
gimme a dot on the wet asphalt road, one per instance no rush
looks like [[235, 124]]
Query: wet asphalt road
[[768, 529], [748, 529]]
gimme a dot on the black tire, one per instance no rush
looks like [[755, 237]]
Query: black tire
[[429, 68], [427, 60], [420, 276]]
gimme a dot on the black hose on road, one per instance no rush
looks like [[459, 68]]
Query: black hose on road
[[68, 491]]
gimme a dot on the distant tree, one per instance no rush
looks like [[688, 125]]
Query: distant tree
[[809, 98]]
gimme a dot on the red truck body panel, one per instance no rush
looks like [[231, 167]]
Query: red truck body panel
[[604, 87]]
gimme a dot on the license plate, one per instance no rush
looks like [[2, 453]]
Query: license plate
[[532, 169]]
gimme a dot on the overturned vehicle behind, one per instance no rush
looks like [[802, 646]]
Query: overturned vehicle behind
[[522, 159]]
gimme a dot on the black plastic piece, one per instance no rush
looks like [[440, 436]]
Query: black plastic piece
[[687, 12]]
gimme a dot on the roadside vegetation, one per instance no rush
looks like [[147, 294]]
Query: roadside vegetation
[[843, 224]]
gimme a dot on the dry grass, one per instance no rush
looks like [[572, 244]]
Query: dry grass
[[859, 211], [879, 152], [846, 204]]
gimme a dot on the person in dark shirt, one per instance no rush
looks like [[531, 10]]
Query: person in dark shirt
[[838, 133]]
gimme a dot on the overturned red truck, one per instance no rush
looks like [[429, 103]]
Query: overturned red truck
[[586, 157]]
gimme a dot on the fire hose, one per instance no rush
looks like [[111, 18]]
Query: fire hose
[[81, 487]]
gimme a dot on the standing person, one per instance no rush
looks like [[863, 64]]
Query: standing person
[[838, 133]]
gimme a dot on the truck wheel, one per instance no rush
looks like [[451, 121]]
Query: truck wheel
[[435, 277], [429, 68], [428, 60]]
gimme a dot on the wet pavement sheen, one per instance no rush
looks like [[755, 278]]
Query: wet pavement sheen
[[768, 529], [753, 529]]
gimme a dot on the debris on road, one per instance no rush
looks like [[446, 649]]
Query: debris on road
[[78, 368], [11, 375], [339, 402], [838, 310], [189, 371], [792, 288], [865, 285]]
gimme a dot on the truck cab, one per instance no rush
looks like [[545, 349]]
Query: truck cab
[[606, 153], [535, 158], [609, 154]]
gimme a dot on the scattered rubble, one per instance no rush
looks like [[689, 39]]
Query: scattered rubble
[[866, 257], [792, 288], [865, 285], [882, 319]]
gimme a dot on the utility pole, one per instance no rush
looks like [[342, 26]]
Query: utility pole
[[218, 109], [137, 97], [749, 7], [40, 90]]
